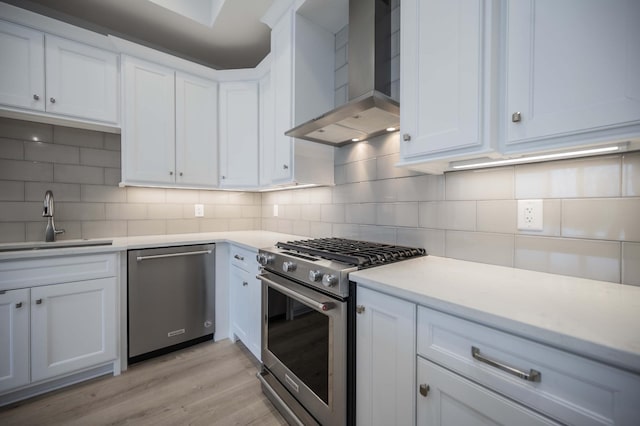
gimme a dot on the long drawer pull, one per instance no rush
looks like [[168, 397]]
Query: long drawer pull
[[531, 376], [237, 256], [161, 256]]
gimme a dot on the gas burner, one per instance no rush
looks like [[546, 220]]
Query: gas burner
[[361, 254]]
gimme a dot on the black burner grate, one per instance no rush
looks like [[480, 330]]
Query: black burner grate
[[363, 254]]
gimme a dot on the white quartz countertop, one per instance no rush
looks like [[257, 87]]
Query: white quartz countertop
[[247, 239], [596, 319]]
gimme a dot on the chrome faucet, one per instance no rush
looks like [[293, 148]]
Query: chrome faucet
[[47, 211]]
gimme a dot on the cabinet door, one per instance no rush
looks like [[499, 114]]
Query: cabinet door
[[239, 134], [82, 80], [385, 359], [444, 398], [572, 68], [267, 132], [239, 283], [444, 82], [254, 314], [148, 125], [21, 67], [14, 339], [196, 131], [73, 326], [282, 87]]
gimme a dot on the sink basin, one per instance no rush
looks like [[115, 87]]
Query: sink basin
[[40, 245]]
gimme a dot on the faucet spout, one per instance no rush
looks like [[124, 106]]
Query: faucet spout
[[47, 211]]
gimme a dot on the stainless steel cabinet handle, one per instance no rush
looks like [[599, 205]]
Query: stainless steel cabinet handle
[[170, 173], [531, 376], [244, 283], [284, 166], [52, 100], [39, 302], [161, 256], [406, 137], [237, 256], [516, 117], [297, 296], [18, 305], [359, 309], [180, 173], [424, 390], [36, 97], [223, 177]]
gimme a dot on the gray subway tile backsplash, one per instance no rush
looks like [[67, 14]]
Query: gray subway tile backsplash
[[82, 168]]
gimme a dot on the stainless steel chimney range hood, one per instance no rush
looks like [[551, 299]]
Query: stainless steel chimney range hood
[[370, 110]]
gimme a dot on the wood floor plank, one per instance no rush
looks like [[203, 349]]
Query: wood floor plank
[[207, 384]]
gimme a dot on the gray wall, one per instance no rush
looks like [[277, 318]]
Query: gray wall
[[83, 170]]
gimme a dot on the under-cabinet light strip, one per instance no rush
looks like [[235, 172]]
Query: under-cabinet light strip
[[538, 157]]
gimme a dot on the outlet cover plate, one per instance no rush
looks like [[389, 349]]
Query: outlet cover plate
[[199, 210], [530, 215]]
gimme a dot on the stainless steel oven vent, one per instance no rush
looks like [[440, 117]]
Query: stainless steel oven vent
[[370, 110]]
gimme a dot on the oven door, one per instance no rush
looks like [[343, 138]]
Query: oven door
[[304, 341]]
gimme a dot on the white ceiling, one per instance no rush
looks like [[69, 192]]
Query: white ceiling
[[221, 34]]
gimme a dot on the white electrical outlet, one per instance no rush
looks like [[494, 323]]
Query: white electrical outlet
[[275, 210], [199, 209], [530, 215]]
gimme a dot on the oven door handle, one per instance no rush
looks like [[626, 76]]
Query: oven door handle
[[321, 306]]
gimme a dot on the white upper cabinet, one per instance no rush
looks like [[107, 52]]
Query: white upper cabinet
[[501, 79], [81, 80], [196, 131], [282, 82], [267, 132], [169, 134], [239, 123], [573, 72], [148, 131], [302, 87], [22, 67], [446, 79]]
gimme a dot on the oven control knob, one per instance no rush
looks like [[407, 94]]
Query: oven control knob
[[329, 280], [265, 259], [315, 275], [289, 266]]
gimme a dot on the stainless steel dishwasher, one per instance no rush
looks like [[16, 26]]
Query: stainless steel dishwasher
[[171, 296]]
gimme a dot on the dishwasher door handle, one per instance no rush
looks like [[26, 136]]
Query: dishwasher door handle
[[161, 256]]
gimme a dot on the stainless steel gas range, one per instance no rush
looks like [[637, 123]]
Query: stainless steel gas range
[[308, 326]]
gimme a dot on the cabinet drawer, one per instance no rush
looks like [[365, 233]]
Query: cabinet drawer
[[52, 270], [569, 388], [244, 258]]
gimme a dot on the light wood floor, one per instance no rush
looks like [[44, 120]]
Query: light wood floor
[[207, 384]]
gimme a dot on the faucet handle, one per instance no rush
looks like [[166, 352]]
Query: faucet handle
[[58, 231]]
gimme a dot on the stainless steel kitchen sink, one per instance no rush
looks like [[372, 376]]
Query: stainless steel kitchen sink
[[41, 245]]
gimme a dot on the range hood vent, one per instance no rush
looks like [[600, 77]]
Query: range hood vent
[[370, 110]]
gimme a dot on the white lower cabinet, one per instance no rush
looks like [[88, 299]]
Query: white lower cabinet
[[72, 327], [14, 338], [245, 299], [60, 320], [447, 399], [385, 359], [471, 374]]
